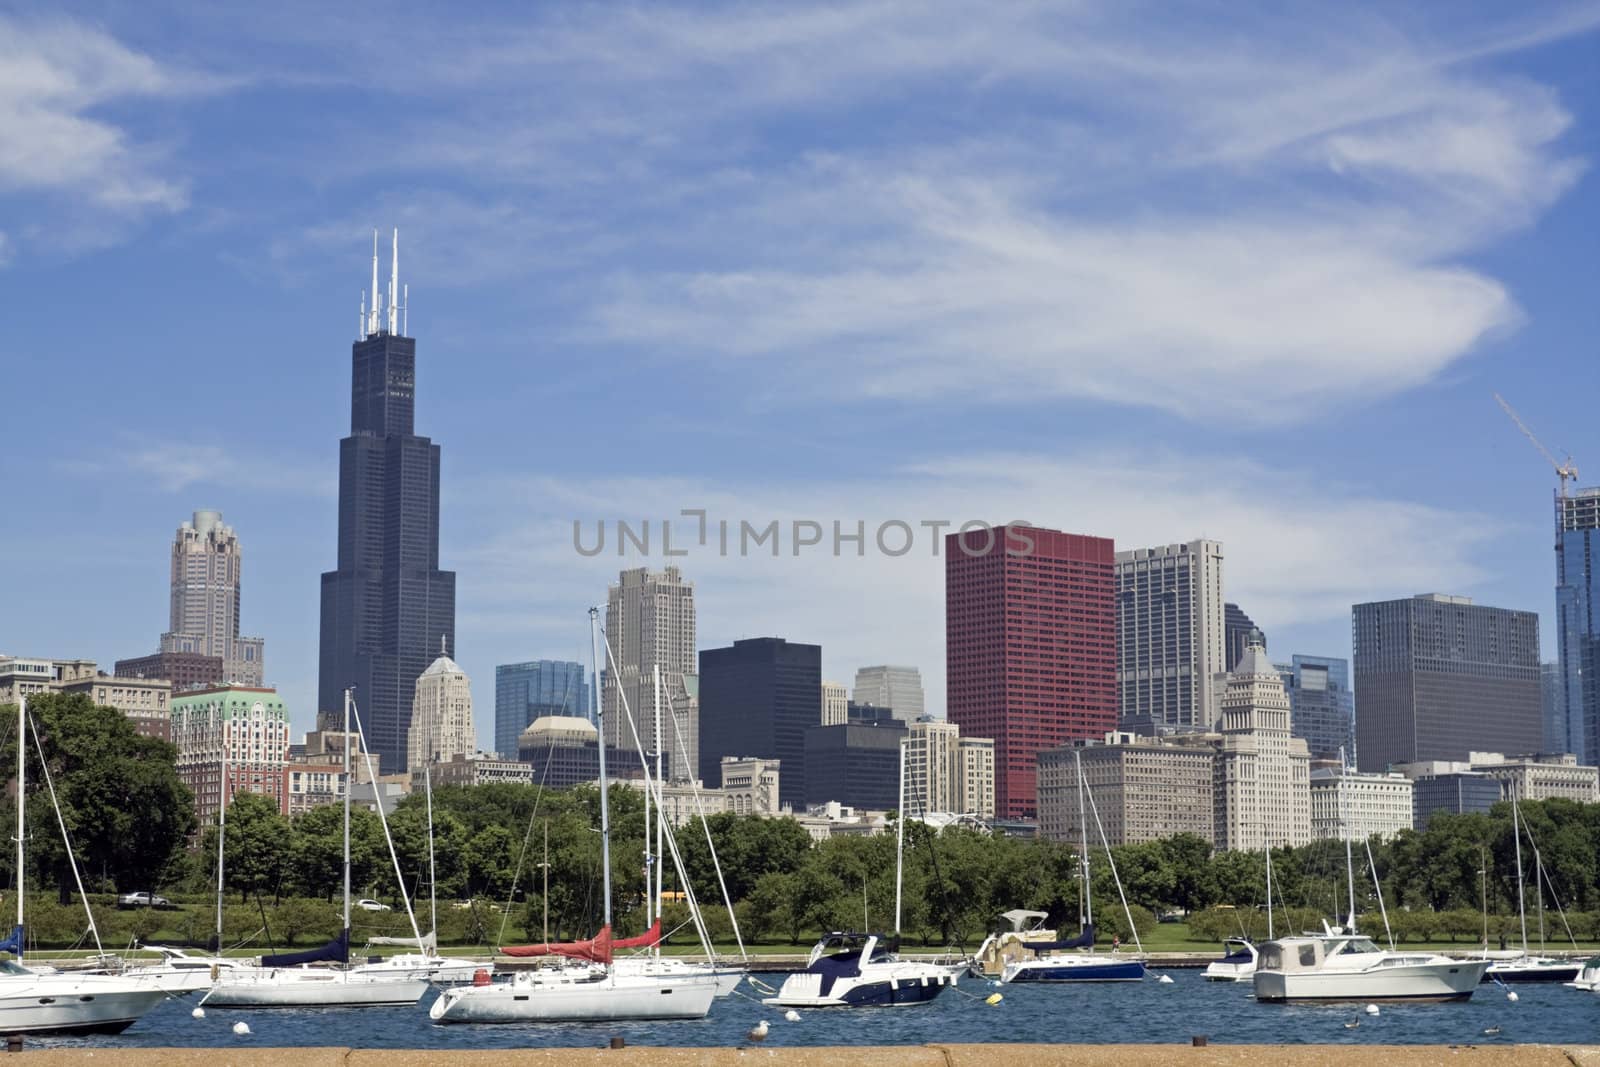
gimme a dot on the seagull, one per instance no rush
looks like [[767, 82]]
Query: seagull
[[1351, 1024], [241, 1028], [1491, 1031], [759, 1032]]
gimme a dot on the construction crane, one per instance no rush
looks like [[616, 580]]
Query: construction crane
[[1564, 470]]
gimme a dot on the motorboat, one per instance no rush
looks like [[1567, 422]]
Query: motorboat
[[1349, 966], [1588, 978], [1000, 948], [1072, 960], [178, 972], [1238, 964], [861, 970], [35, 1003]]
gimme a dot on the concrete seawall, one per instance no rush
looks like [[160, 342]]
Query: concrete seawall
[[877, 1056]]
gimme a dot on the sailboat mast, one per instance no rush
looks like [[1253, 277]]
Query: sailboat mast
[[1267, 848], [899, 840], [1522, 907], [22, 807], [347, 791], [222, 824], [433, 872], [546, 866], [1349, 857], [660, 822], [600, 721], [1083, 842]]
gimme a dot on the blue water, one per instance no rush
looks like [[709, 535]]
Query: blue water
[[1146, 1011]]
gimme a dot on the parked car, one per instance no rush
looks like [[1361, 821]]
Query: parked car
[[142, 900], [372, 905]]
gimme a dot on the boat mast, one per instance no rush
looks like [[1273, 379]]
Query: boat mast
[[1267, 848], [222, 824], [1522, 907], [433, 871], [600, 721], [899, 840], [1349, 857], [22, 808], [660, 822], [644, 757], [546, 866], [1083, 838], [347, 791]]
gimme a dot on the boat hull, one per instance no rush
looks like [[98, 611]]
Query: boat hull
[[1074, 969], [75, 1007], [1538, 972], [1421, 982], [1229, 972], [921, 986], [603, 1001], [296, 988], [438, 970]]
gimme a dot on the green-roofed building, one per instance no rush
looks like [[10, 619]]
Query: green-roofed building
[[252, 722]]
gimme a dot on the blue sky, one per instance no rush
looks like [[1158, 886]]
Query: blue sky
[[1146, 271]]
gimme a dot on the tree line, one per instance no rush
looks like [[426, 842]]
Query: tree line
[[133, 828]]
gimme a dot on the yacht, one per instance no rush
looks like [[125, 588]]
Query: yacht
[[998, 949], [1237, 965], [851, 970], [1340, 966]]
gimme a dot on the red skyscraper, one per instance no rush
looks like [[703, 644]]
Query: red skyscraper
[[1030, 646]]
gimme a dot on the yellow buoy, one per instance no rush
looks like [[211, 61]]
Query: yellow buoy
[[993, 998]]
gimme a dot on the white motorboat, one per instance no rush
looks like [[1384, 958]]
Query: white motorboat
[[180, 973], [1238, 965], [1588, 975], [1350, 967], [1000, 948], [33, 1002], [848, 970]]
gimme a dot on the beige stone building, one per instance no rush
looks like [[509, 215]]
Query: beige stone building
[[1349, 804], [1539, 777], [650, 622], [441, 716], [1261, 787], [975, 777], [245, 728], [204, 617], [947, 773], [750, 785], [1142, 788], [835, 704], [146, 701]]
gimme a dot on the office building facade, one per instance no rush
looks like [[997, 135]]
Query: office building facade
[[246, 729], [1438, 677], [897, 688], [1448, 792], [1578, 622], [1171, 634], [185, 670], [1239, 633], [1261, 782], [835, 703], [564, 750], [758, 697], [387, 605], [752, 786], [441, 715], [1143, 788], [650, 624], [1322, 709], [206, 574], [1030, 647], [856, 764], [1349, 805], [524, 692]]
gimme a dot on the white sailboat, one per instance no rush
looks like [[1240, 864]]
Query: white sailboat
[[426, 961], [34, 1002], [291, 981], [1238, 964], [595, 991], [865, 970], [1524, 966], [1073, 960]]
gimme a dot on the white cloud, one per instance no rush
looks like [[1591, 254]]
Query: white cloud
[[173, 466], [1299, 551]]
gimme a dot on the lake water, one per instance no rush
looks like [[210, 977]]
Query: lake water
[[1145, 1011]]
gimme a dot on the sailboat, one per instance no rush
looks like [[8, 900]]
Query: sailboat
[[34, 1002], [1524, 966], [1345, 965], [426, 961], [1073, 959], [290, 981], [594, 990], [864, 970], [1238, 964]]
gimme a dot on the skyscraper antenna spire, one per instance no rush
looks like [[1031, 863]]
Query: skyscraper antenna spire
[[405, 310], [361, 318], [394, 281], [372, 322]]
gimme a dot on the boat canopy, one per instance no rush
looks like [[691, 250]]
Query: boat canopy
[[13, 944], [1085, 939], [335, 951], [598, 948], [1017, 916], [427, 943]]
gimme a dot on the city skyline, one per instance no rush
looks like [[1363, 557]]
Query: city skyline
[[1314, 470]]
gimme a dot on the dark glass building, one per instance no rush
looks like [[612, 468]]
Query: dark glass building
[[1030, 621], [1578, 622], [1239, 631], [1457, 794], [757, 698], [524, 692], [855, 763], [387, 605], [1439, 677], [1322, 709]]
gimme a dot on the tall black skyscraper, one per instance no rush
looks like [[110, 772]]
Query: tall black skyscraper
[[388, 604], [758, 698]]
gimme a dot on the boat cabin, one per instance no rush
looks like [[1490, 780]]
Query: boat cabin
[[1310, 953]]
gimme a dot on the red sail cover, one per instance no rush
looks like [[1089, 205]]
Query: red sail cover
[[649, 939], [598, 949]]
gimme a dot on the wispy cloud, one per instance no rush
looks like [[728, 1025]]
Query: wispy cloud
[[174, 466]]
